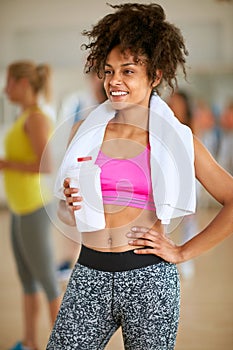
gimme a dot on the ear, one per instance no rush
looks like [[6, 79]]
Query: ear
[[158, 78]]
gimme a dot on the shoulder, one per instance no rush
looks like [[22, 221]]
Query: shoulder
[[38, 119], [35, 113]]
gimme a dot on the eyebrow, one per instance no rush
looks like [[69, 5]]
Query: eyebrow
[[123, 65]]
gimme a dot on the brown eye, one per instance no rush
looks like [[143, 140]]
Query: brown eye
[[107, 72], [128, 72]]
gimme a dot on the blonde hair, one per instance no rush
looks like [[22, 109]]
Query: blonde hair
[[39, 76]]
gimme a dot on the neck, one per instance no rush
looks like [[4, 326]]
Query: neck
[[136, 116], [28, 104], [29, 100]]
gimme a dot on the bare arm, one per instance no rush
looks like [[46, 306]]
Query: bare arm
[[220, 185]]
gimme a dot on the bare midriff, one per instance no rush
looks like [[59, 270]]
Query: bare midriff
[[119, 221]]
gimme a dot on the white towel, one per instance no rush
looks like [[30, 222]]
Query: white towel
[[172, 157]]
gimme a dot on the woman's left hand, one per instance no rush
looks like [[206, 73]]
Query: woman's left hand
[[155, 242]]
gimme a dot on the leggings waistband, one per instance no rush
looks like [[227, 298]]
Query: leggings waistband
[[115, 262]]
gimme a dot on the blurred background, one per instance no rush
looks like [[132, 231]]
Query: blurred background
[[50, 31]]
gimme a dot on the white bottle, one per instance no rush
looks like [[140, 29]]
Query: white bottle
[[86, 177]]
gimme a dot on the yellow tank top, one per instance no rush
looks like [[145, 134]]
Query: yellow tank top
[[23, 189]]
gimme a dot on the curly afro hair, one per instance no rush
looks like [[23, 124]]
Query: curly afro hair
[[142, 29]]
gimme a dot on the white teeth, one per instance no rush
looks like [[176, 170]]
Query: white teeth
[[118, 93]]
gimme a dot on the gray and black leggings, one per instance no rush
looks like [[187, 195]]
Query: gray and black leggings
[[144, 300]]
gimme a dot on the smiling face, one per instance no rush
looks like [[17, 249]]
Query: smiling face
[[126, 81]]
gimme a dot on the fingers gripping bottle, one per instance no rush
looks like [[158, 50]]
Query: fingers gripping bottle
[[86, 177]]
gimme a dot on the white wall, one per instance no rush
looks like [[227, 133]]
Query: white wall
[[51, 31]]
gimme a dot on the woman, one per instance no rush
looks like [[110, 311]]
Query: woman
[[126, 274], [30, 224]]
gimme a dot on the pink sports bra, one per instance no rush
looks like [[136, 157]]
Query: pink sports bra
[[126, 182]]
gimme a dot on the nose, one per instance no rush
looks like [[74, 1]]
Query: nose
[[115, 79]]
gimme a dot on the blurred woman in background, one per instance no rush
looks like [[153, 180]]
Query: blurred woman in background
[[30, 224]]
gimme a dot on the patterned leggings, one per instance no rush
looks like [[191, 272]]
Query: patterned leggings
[[143, 301]]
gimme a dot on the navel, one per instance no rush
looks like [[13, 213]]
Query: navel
[[110, 241]]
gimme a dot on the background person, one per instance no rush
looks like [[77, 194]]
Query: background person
[[78, 105], [30, 225]]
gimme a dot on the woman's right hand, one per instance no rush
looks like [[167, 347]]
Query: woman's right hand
[[67, 207], [72, 200]]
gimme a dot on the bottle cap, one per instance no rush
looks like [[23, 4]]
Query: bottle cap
[[83, 159]]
